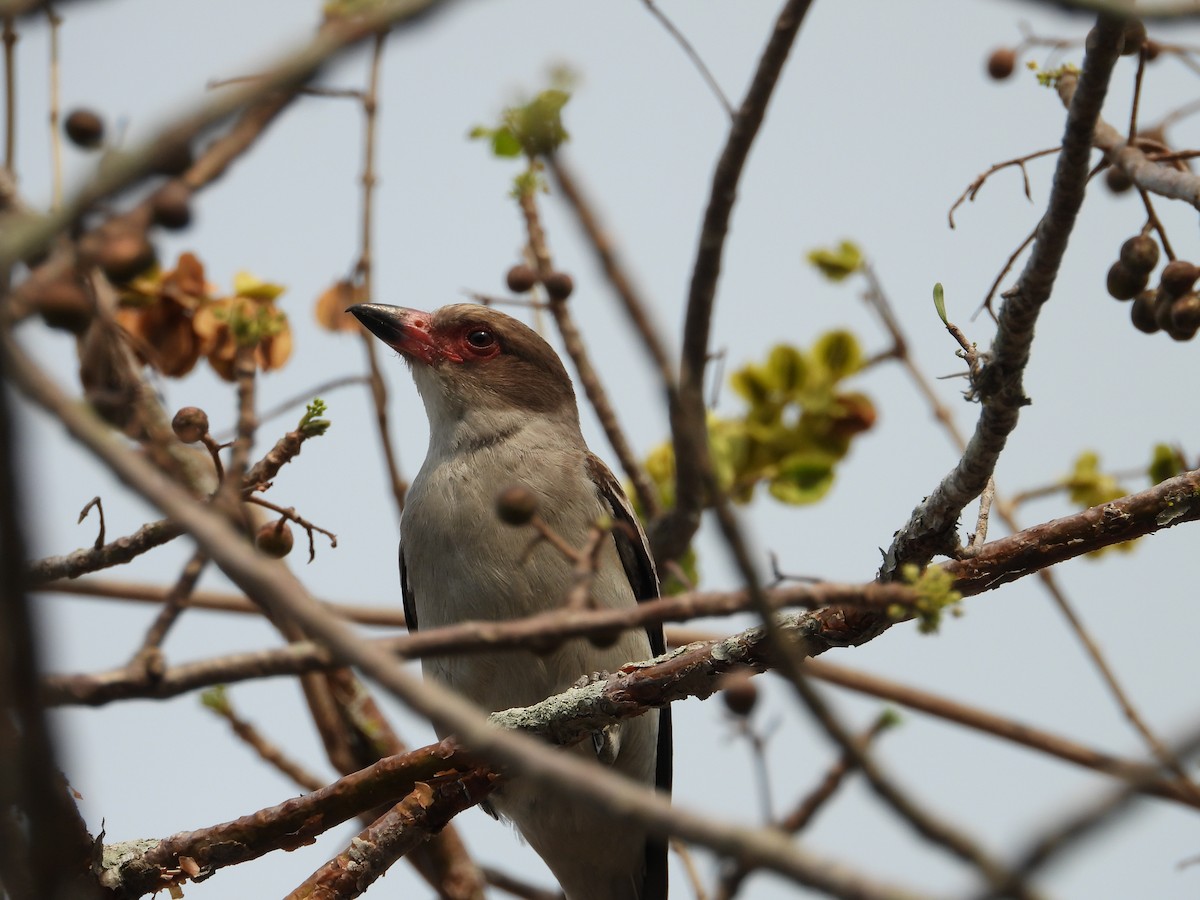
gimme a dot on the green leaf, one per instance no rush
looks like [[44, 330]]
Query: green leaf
[[751, 384], [505, 144], [837, 263], [1164, 464], [838, 353], [939, 302], [802, 478], [254, 288], [786, 368]]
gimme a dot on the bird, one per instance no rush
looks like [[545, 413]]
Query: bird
[[502, 413]]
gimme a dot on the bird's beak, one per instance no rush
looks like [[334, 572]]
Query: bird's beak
[[407, 331]]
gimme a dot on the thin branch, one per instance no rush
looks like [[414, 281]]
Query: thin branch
[[972, 189], [672, 533], [1147, 778], [55, 23], [33, 234], [691, 53], [388, 617], [365, 271], [173, 605], [643, 487], [120, 551], [930, 529], [217, 700], [10, 94], [615, 269], [1009, 882]]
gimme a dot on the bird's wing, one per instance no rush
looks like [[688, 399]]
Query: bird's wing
[[410, 607], [643, 578]]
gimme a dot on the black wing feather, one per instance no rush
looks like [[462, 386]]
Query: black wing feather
[[406, 595], [643, 577]]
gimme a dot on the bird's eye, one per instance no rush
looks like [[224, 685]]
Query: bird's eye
[[480, 338]]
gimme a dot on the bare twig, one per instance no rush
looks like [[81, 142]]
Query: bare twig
[[573, 342], [10, 94], [149, 657], [672, 533], [973, 188], [99, 506], [122, 550], [1147, 777], [692, 55], [218, 701], [55, 23], [615, 269], [1000, 386]]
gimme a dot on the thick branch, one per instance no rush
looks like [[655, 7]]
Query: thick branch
[[930, 529]]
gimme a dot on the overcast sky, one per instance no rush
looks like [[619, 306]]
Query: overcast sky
[[883, 117]]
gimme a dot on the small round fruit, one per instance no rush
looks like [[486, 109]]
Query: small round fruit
[[559, 285], [1124, 283], [516, 505], [190, 424], [1001, 62], [1142, 313], [739, 693], [1178, 276], [171, 205], [84, 128], [172, 158], [602, 640], [64, 304], [1162, 308], [1185, 313], [1117, 180], [1133, 37], [275, 539], [521, 279], [124, 255], [1140, 253]]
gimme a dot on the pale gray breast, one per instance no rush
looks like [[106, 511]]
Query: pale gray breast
[[464, 563]]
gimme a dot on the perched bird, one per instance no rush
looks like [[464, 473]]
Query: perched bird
[[502, 413]]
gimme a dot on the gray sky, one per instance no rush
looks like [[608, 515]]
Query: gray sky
[[883, 116]]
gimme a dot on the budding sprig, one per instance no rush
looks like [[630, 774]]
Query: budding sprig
[[274, 539]]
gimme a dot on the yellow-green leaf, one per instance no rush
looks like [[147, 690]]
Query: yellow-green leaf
[[802, 478], [254, 288], [838, 353], [837, 263]]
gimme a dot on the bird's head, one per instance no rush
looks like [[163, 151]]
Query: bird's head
[[470, 361]]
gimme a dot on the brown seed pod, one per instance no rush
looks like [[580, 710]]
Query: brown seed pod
[[275, 539], [1140, 253], [171, 205], [559, 285], [1185, 313], [190, 424], [516, 505], [84, 128], [1132, 37], [1151, 49], [1178, 276], [64, 304], [1142, 313], [172, 158], [521, 278], [1116, 180], [1001, 62], [126, 255], [739, 692], [1162, 308], [1124, 283], [602, 640]]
